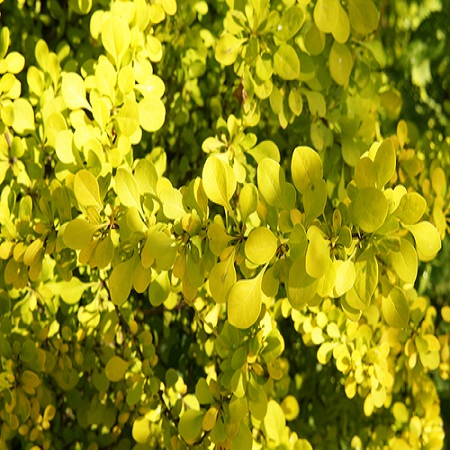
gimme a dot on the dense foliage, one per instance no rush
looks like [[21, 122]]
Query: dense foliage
[[219, 223]]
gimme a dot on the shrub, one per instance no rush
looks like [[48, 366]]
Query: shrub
[[218, 220]]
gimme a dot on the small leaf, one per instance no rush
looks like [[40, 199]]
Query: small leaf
[[128, 118], [63, 147], [272, 183], [120, 282], [152, 113], [116, 37], [345, 277], [306, 168], [395, 308], [74, 91], [244, 302], [227, 49], [260, 246], [326, 15], [86, 189], [411, 208], [71, 291], [23, 117], [222, 278], [405, 261], [219, 181], [428, 241], [340, 63], [116, 368], [127, 188], [363, 16], [384, 163], [370, 209], [190, 425], [78, 233], [286, 62]]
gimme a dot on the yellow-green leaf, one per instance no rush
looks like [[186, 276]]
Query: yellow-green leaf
[[116, 368], [405, 261], [340, 63], [128, 118], [286, 62], [23, 117], [78, 233], [326, 15], [219, 181], [384, 163], [86, 189], [411, 208], [306, 168], [116, 37], [190, 425], [428, 241], [221, 279], [370, 209], [120, 282], [244, 302], [395, 308], [152, 113], [260, 246], [73, 91], [363, 16], [227, 49], [127, 188]]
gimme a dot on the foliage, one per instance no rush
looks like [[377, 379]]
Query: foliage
[[215, 230]]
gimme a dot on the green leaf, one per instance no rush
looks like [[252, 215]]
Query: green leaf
[[370, 209], [128, 118], [340, 63], [63, 147], [291, 22], [219, 181], [326, 15], [395, 308], [116, 368], [244, 439], [222, 278], [384, 163], [86, 189], [23, 117], [172, 201], [203, 392], [74, 91], [363, 16], [428, 241], [141, 431], [366, 281], [306, 168], [341, 30], [190, 425], [244, 302], [345, 277], [116, 37], [411, 208], [78, 233], [152, 113], [127, 188], [405, 262], [272, 182], [364, 173], [227, 49], [146, 176], [317, 254], [71, 291], [248, 200], [260, 246], [120, 282], [314, 200], [286, 63], [159, 289], [301, 287], [265, 149], [274, 422]]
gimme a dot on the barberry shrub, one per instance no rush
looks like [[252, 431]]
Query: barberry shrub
[[219, 223]]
